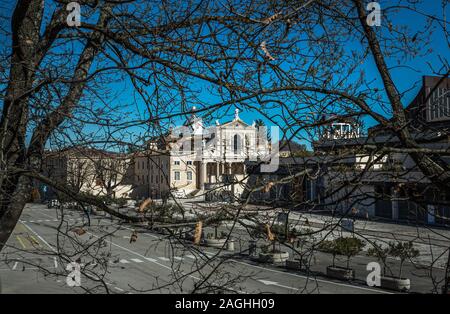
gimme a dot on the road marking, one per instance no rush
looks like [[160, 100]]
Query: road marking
[[139, 255], [29, 268], [150, 259], [164, 258], [21, 242], [190, 256], [178, 258], [309, 278], [118, 289], [124, 261], [55, 262], [15, 265], [274, 283], [35, 241], [39, 237], [137, 260]]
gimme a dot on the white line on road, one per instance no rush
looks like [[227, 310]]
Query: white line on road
[[128, 250], [274, 283], [41, 238], [137, 260], [163, 258], [29, 268], [124, 261], [56, 262], [138, 254], [15, 265], [150, 259], [118, 289], [312, 279]]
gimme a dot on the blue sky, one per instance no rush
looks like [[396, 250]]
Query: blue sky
[[406, 77]]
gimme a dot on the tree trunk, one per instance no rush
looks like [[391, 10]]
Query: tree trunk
[[437, 174], [14, 188], [12, 207]]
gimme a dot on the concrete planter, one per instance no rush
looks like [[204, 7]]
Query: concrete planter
[[217, 243], [394, 283], [297, 264], [271, 257], [340, 273]]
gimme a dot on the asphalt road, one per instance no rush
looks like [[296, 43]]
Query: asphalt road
[[37, 254]]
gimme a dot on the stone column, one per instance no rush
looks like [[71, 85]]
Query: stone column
[[202, 170], [217, 172]]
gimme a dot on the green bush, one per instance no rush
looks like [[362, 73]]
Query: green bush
[[347, 247], [403, 251], [381, 254]]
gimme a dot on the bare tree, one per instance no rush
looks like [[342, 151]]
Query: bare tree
[[132, 69]]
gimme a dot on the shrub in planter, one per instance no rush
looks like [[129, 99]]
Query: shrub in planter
[[302, 257], [403, 251], [214, 240], [297, 263], [381, 254], [329, 246], [347, 247], [273, 255]]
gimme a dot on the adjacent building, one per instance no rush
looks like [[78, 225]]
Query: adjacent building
[[88, 170]]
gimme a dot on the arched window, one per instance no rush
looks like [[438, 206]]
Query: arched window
[[236, 143]]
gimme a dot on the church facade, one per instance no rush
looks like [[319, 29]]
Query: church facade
[[195, 159]]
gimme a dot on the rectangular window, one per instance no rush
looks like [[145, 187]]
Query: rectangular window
[[189, 162], [177, 162], [177, 176], [189, 175]]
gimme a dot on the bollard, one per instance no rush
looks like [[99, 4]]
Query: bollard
[[230, 245]]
